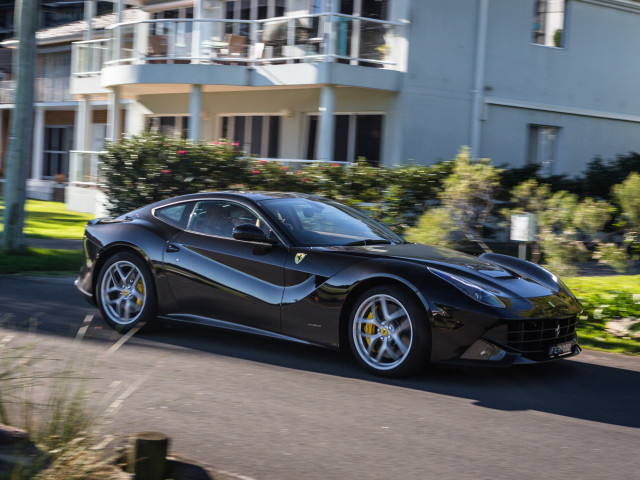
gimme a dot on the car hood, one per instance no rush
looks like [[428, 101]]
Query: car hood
[[428, 254], [506, 278]]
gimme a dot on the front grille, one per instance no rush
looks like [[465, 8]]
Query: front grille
[[532, 336]]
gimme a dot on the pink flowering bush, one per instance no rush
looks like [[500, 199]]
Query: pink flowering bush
[[143, 169]]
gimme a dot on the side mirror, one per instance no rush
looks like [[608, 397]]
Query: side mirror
[[251, 233]]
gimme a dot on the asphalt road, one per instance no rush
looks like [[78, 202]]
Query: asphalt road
[[255, 408]]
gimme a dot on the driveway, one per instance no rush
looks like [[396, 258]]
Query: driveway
[[264, 409]]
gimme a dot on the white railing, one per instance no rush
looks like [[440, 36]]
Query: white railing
[[88, 57], [51, 89], [7, 91], [85, 168], [307, 38]]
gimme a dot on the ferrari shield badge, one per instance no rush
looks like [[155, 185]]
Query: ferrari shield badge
[[300, 257]]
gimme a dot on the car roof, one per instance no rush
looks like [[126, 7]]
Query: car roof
[[251, 196]]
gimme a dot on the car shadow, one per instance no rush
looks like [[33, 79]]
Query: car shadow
[[568, 387]]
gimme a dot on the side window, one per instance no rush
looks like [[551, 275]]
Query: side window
[[218, 217], [176, 215]]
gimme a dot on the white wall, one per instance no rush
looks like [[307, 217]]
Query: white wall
[[436, 98], [588, 88]]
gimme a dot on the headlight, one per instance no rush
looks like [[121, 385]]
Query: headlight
[[479, 293]]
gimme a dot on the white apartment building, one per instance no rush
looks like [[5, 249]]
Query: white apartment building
[[552, 82]]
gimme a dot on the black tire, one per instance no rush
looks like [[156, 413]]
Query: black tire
[[125, 292], [389, 332]]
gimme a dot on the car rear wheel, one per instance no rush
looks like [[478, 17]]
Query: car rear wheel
[[388, 332], [126, 293]]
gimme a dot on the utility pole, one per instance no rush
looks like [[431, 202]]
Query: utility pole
[[21, 126]]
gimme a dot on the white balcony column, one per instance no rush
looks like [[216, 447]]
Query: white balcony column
[[196, 35], [83, 125], [113, 114], [326, 134], [134, 119], [117, 39], [89, 13], [195, 107], [38, 144]]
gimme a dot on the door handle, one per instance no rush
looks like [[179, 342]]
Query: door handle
[[172, 248]]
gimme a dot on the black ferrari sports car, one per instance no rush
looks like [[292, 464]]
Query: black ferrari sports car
[[312, 270]]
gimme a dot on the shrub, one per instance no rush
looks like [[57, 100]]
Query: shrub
[[601, 175], [147, 168], [412, 189]]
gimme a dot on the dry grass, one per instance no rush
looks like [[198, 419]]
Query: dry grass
[[48, 397]]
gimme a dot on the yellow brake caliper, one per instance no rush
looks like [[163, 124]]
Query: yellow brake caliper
[[140, 288], [369, 328]]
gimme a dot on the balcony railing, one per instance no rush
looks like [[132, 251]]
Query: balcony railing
[[88, 57], [310, 38], [54, 89], [85, 168]]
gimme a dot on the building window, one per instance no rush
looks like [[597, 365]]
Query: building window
[[543, 147], [57, 143], [251, 10], [356, 136], [377, 9], [169, 126], [549, 22], [254, 135]]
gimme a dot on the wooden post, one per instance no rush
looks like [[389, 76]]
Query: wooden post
[[147, 458]]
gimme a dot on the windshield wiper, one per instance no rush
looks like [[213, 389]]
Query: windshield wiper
[[369, 241]]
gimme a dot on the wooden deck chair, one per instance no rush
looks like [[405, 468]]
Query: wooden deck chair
[[158, 47]]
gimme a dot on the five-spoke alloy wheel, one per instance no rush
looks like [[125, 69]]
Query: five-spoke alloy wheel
[[388, 332], [126, 295]]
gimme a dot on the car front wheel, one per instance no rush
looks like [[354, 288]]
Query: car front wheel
[[388, 332], [125, 291]]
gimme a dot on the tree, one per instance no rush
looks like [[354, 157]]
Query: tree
[[21, 127], [469, 195]]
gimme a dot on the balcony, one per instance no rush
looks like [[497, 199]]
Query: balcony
[[309, 40], [47, 90]]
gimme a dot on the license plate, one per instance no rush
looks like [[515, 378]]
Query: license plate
[[560, 349]]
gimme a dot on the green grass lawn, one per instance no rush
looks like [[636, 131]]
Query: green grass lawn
[[606, 299], [46, 220], [51, 220], [41, 261]]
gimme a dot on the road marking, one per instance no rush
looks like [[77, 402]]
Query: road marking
[[121, 342], [83, 329]]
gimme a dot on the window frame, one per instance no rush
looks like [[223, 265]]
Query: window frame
[[309, 150], [539, 28], [186, 214], [535, 150], [62, 152], [227, 131], [226, 203]]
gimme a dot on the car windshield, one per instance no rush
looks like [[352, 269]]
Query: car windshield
[[325, 223]]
